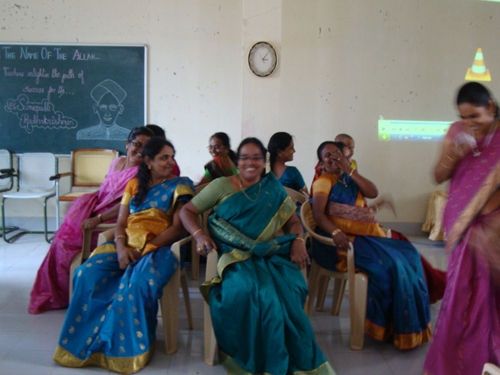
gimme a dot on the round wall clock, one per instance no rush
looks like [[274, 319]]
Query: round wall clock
[[262, 59]]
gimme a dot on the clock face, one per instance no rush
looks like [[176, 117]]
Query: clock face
[[262, 59]]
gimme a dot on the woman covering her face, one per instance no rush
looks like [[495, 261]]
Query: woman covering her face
[[468, 325], [223, 161], [398, 299]]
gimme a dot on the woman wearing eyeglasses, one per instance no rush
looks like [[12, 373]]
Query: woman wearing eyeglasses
[[256, 302], [51, 287], [223, 158]]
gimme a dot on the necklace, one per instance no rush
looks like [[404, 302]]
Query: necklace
[[245, 194]]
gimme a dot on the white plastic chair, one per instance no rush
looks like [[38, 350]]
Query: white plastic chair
[[357, 282], [33, 182]]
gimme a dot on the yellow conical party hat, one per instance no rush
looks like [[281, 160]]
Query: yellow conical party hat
[[478, 71]]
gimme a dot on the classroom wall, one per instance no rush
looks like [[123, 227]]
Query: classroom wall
[[341, 65]]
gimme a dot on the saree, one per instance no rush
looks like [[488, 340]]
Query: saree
[[51, 286], [467, 332], [219, 166], [398, 299], [111, 320], [292, 179], [256, 301]]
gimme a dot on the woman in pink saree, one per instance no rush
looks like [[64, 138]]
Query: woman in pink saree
[[467, 331], [51, 287]]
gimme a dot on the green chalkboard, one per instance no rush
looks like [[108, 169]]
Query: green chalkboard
[[56, 98]]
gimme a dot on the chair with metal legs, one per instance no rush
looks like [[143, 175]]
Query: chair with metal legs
[[33, 182], [6, 178]]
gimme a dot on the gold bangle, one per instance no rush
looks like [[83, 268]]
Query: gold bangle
[[336, 231], [300, 238], [352, 171], [196, 232], [100, 218], [120, 236]]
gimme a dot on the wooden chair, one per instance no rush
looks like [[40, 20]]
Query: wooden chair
[[88, 169], [490, 369], [357, 282], [169, 302]]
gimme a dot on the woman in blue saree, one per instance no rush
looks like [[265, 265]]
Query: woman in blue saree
[[281, 150], [256, 302], [398, 298], [111, 319]]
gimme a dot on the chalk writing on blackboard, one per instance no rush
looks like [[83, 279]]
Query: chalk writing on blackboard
[[42, 114], [108, 97], [56, 97]]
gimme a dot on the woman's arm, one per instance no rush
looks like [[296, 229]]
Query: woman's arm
[[298, 252], [190, 220], [126, 254], [173, 233], [447, 162], [319, 203], [367, 188], [94, 221]]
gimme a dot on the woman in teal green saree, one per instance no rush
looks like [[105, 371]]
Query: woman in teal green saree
[[257, 300]]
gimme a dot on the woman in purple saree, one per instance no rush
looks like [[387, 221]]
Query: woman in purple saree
[[467, 331], [51, 287]]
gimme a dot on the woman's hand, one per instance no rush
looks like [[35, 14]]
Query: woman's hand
[[298, 252], [204, 243], [127, 255], [340, 239], [91, 222]]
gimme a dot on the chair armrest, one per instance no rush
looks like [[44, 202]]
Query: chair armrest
[[7, 173], [87, 237], [176, 246], [58, 176]]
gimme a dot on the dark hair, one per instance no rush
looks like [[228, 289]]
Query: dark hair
[[151, 149], [278, 142], [138, 130], [226, 142], [157, 130], [339, 145], [476, 94], [256, 142]]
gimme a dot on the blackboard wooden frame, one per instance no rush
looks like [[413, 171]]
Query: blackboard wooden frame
[[56, 97]]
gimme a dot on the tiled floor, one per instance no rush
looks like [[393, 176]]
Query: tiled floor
[[27, 341]]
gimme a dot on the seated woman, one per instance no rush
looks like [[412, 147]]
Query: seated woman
[[51, 287], [111, 320], [224, 159], [257, 301], [436, 279], [398, 300], [281, 150]]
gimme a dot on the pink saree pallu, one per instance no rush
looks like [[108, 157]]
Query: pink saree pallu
[[467, 332], [51, 287]]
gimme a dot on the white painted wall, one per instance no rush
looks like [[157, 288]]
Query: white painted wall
[[341, 65]]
